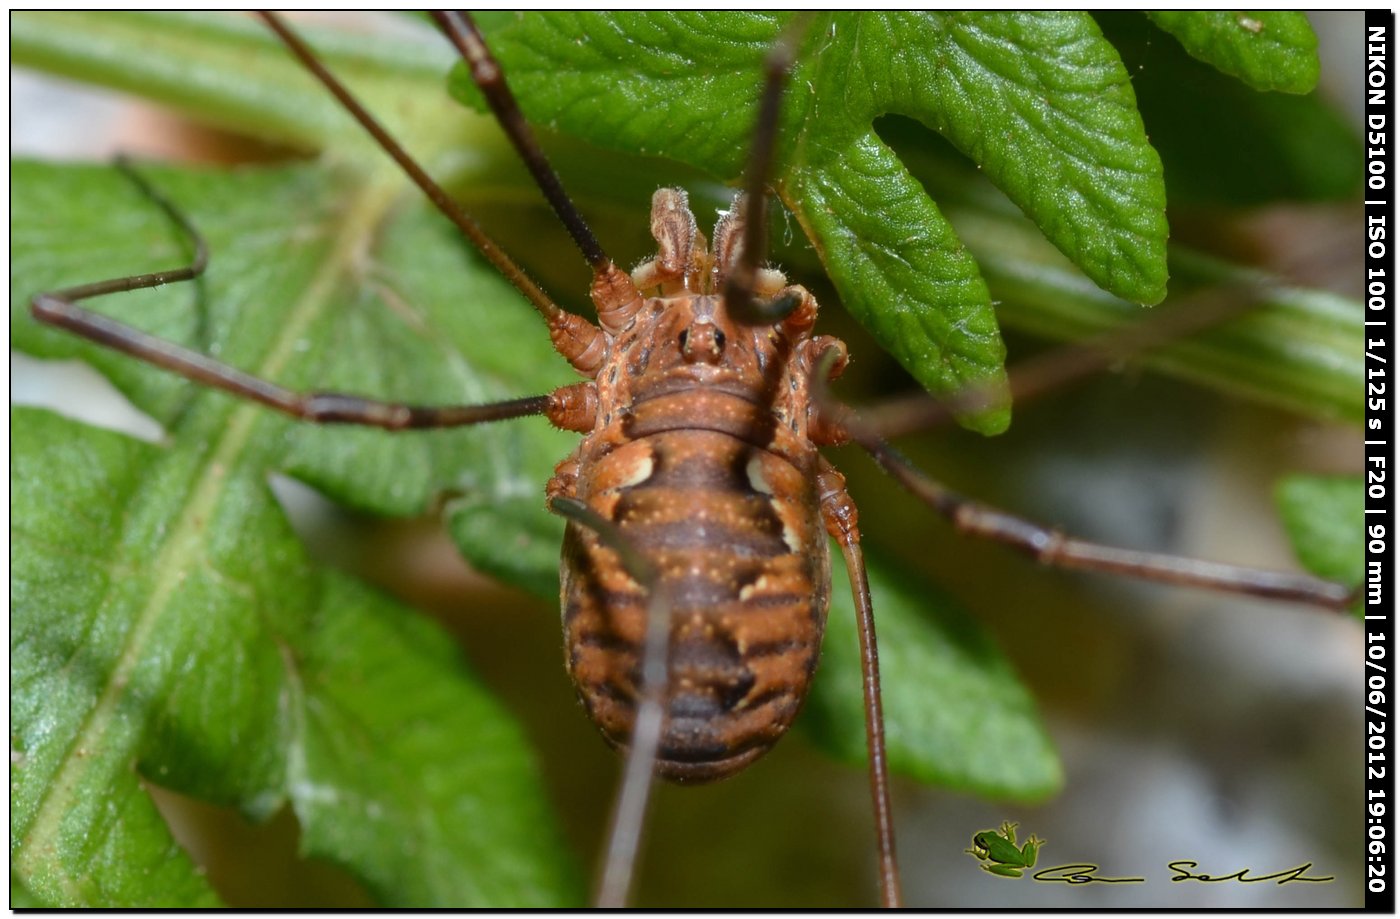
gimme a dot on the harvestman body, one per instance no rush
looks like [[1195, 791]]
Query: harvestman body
[[695, 573], [702, 448]]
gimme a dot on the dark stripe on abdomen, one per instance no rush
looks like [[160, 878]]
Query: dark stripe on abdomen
[[745, 576]]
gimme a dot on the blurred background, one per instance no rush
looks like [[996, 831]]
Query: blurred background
[[1191, 726]]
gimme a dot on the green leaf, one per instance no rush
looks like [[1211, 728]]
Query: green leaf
[[955, 712], [83, 831], [431, 328], [1039, 101], [1326, 522], [232, 72], [165, 614], [1272, 145], [1223, 142], [20, 897], [286, 299], [1282, 344], [384, 690], [1267, 49]]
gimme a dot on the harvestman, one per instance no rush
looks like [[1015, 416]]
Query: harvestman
[[722, 324]]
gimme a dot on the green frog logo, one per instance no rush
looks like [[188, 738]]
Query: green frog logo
[[998, 853]]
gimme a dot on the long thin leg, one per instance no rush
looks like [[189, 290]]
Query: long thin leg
[[59, 308], [440, 198], [743, 277], [1050, 547], [577, 339], [839, 513], [630, 807], [613, 291], [1054, 548], [486, 72], [1174, 320], [1059, 367]]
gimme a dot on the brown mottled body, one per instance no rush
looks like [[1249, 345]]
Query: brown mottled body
[[700, 451]]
